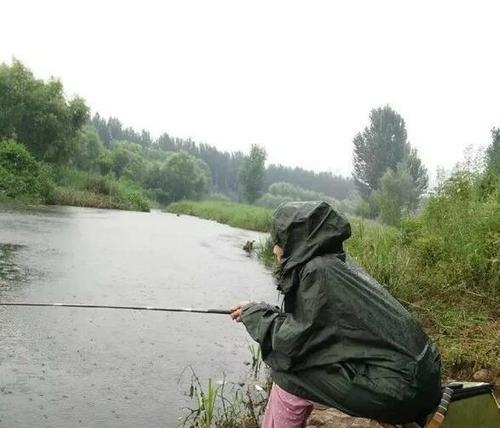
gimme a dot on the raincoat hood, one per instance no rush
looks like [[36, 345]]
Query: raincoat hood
[[306, 230]]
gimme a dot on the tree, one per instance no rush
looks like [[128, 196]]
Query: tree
[[251, 174], [396, 196], [181, 176], [37, 114], [493, 152], [87, 149], [335, 186], [384, 145], [127, 160]]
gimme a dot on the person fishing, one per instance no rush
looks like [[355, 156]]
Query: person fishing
[[340, 339]]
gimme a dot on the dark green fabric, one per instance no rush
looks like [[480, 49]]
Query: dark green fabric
[[342, 340]]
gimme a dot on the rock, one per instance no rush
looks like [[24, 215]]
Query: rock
[[322, 417], [482, 375]]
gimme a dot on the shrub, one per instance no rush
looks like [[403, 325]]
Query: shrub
[[19, 171]]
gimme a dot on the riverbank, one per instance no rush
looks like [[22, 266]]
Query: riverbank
[[231, 213], [80, 189], [426, 266], [84, 189], [25, 181]]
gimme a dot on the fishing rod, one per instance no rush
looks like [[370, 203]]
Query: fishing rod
[[132, 308]]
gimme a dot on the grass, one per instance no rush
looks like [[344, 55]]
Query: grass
[[85, 189], [229, 405], [443, 265], [230, 213]]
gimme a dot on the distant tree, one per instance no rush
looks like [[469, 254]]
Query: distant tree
[[493, 152], [396, 195], [417, 171], [87, 149], [224, 166], [181, 176], [251, 174], [335, 186], [127, 160], [384, 145], [37, 114], [102, 129], [105, 162]]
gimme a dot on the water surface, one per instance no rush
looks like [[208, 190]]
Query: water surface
[[106, 368]]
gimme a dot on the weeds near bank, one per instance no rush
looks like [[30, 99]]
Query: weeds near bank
[[264, 251], [226, 405], [78, 188]]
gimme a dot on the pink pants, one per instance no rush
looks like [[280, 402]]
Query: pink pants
[[285, 410]]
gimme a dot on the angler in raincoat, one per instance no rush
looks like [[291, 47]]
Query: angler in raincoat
[[340, 339]]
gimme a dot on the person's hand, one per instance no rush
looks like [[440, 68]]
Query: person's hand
[[236, 311]]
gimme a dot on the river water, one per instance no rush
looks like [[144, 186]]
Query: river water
[[64, 367]]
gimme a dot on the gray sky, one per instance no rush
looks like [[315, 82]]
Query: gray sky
[[297, 77]]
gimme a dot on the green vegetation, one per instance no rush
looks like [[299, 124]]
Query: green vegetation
[[225, 405], [87, 189], [388, 173], [60, 136], [231, 213], [251, 174], [37, 114], [442, 264]]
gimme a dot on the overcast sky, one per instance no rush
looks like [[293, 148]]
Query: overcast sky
[[299, 78]]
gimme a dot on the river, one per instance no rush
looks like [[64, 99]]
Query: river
[[65, 367]]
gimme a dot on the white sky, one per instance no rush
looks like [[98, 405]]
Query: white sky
[[297, 77]]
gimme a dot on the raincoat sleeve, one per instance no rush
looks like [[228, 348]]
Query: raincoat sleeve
[[284, 337]]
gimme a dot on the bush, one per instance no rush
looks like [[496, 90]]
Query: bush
[[444, 265], [18, 171], [87, 189]]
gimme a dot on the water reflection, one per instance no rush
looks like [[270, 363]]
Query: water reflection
[[9, 271]]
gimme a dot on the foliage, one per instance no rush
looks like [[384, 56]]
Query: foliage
[[396, 196], [443, 265], [224, 166], [251, 174], [181, 176], [384, 145], [87, 150], [334, 186], [18, 170], [37, 114], [268, 200], [226, 405], [231, 213], [87, 189], [112, 129], [127, 161], [286, 192], [493, 152]]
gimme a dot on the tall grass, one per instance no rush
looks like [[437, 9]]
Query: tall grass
[[86, 189], [443, 265], [231, 213], [230, 405]]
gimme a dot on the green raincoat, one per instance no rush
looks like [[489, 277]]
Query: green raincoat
[[342, 340]]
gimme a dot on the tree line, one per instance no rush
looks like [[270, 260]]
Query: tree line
[[389, 179]]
